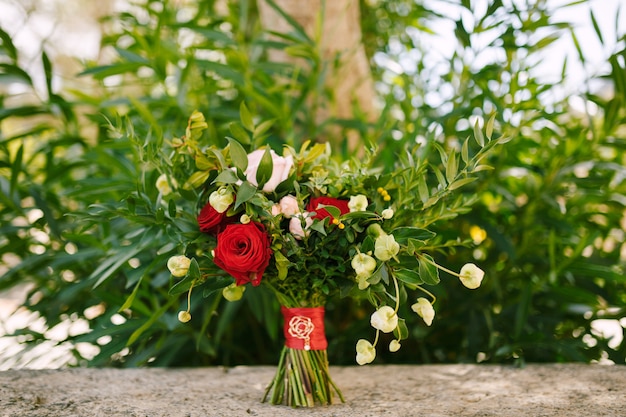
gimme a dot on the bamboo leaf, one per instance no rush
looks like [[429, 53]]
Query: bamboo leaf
[[596, 27], [478, 135], [239, 133], [246, 117], [451, 167], [489, 127], [461, 182]]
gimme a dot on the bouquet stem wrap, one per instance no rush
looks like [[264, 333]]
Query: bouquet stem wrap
[[302, 378]]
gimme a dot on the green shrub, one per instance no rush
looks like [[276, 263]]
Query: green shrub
[[80, 223]]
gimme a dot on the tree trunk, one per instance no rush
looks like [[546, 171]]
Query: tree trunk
[[351, 81]]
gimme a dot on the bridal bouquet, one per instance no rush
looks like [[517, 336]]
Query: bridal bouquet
[[308, 226]]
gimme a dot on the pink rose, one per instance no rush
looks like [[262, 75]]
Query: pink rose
[[280, 169], [288, 206], [295, 226]]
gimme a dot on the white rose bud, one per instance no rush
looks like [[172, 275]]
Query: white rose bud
[[425, 310], [386, 247], [471, 276], [357, 203], [233, 292], [178, 265], [365, 352], [363, 264], [163, 185], [384, 319], [244, 219], [394, 346], [387, 213], [184, 316], [221, 199]]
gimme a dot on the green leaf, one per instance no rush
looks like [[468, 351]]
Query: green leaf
[[428, 271], [298, 29], [157, 314], [112, 264], [596, 27], [238, 154], [13, 73], [239, 133], [217, 284], [403, 234], [401, 332], [408, 276], [460, 183], [246, 117], [222, 70], [465, 151], [129, 301], [478, 134], [266, 167], [422, 189], [262, 128], [16, 169], [451, 167], [489, 127], [245, 192], [227, 176], [381, 274]]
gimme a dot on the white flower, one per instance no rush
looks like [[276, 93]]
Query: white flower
[[245, 219], [295, 226], [363, 264], [357, 203], [425, 310], [362, 281], [233, 292], [288, 206], [163, 184], [178, 265], [221, 199], [384, 319], [184, 316], [471, 276], [394, 346], [386, 247], [280, 168], [365, 352], [387, 213]]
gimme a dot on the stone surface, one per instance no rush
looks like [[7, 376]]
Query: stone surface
[[423, 390]]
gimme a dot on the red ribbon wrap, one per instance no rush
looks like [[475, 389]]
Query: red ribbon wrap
[[304, 328]]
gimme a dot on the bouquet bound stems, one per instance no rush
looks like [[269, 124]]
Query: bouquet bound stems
[[309, 226]]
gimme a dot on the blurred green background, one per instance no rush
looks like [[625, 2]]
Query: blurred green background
[[79, 138]]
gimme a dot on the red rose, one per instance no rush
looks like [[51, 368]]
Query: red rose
[[243, 250], [322, 213], [212, 222]]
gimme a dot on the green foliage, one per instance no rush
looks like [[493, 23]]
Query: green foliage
[[82, 227]]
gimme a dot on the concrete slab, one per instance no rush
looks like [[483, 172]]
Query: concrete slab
[[422, 390]]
